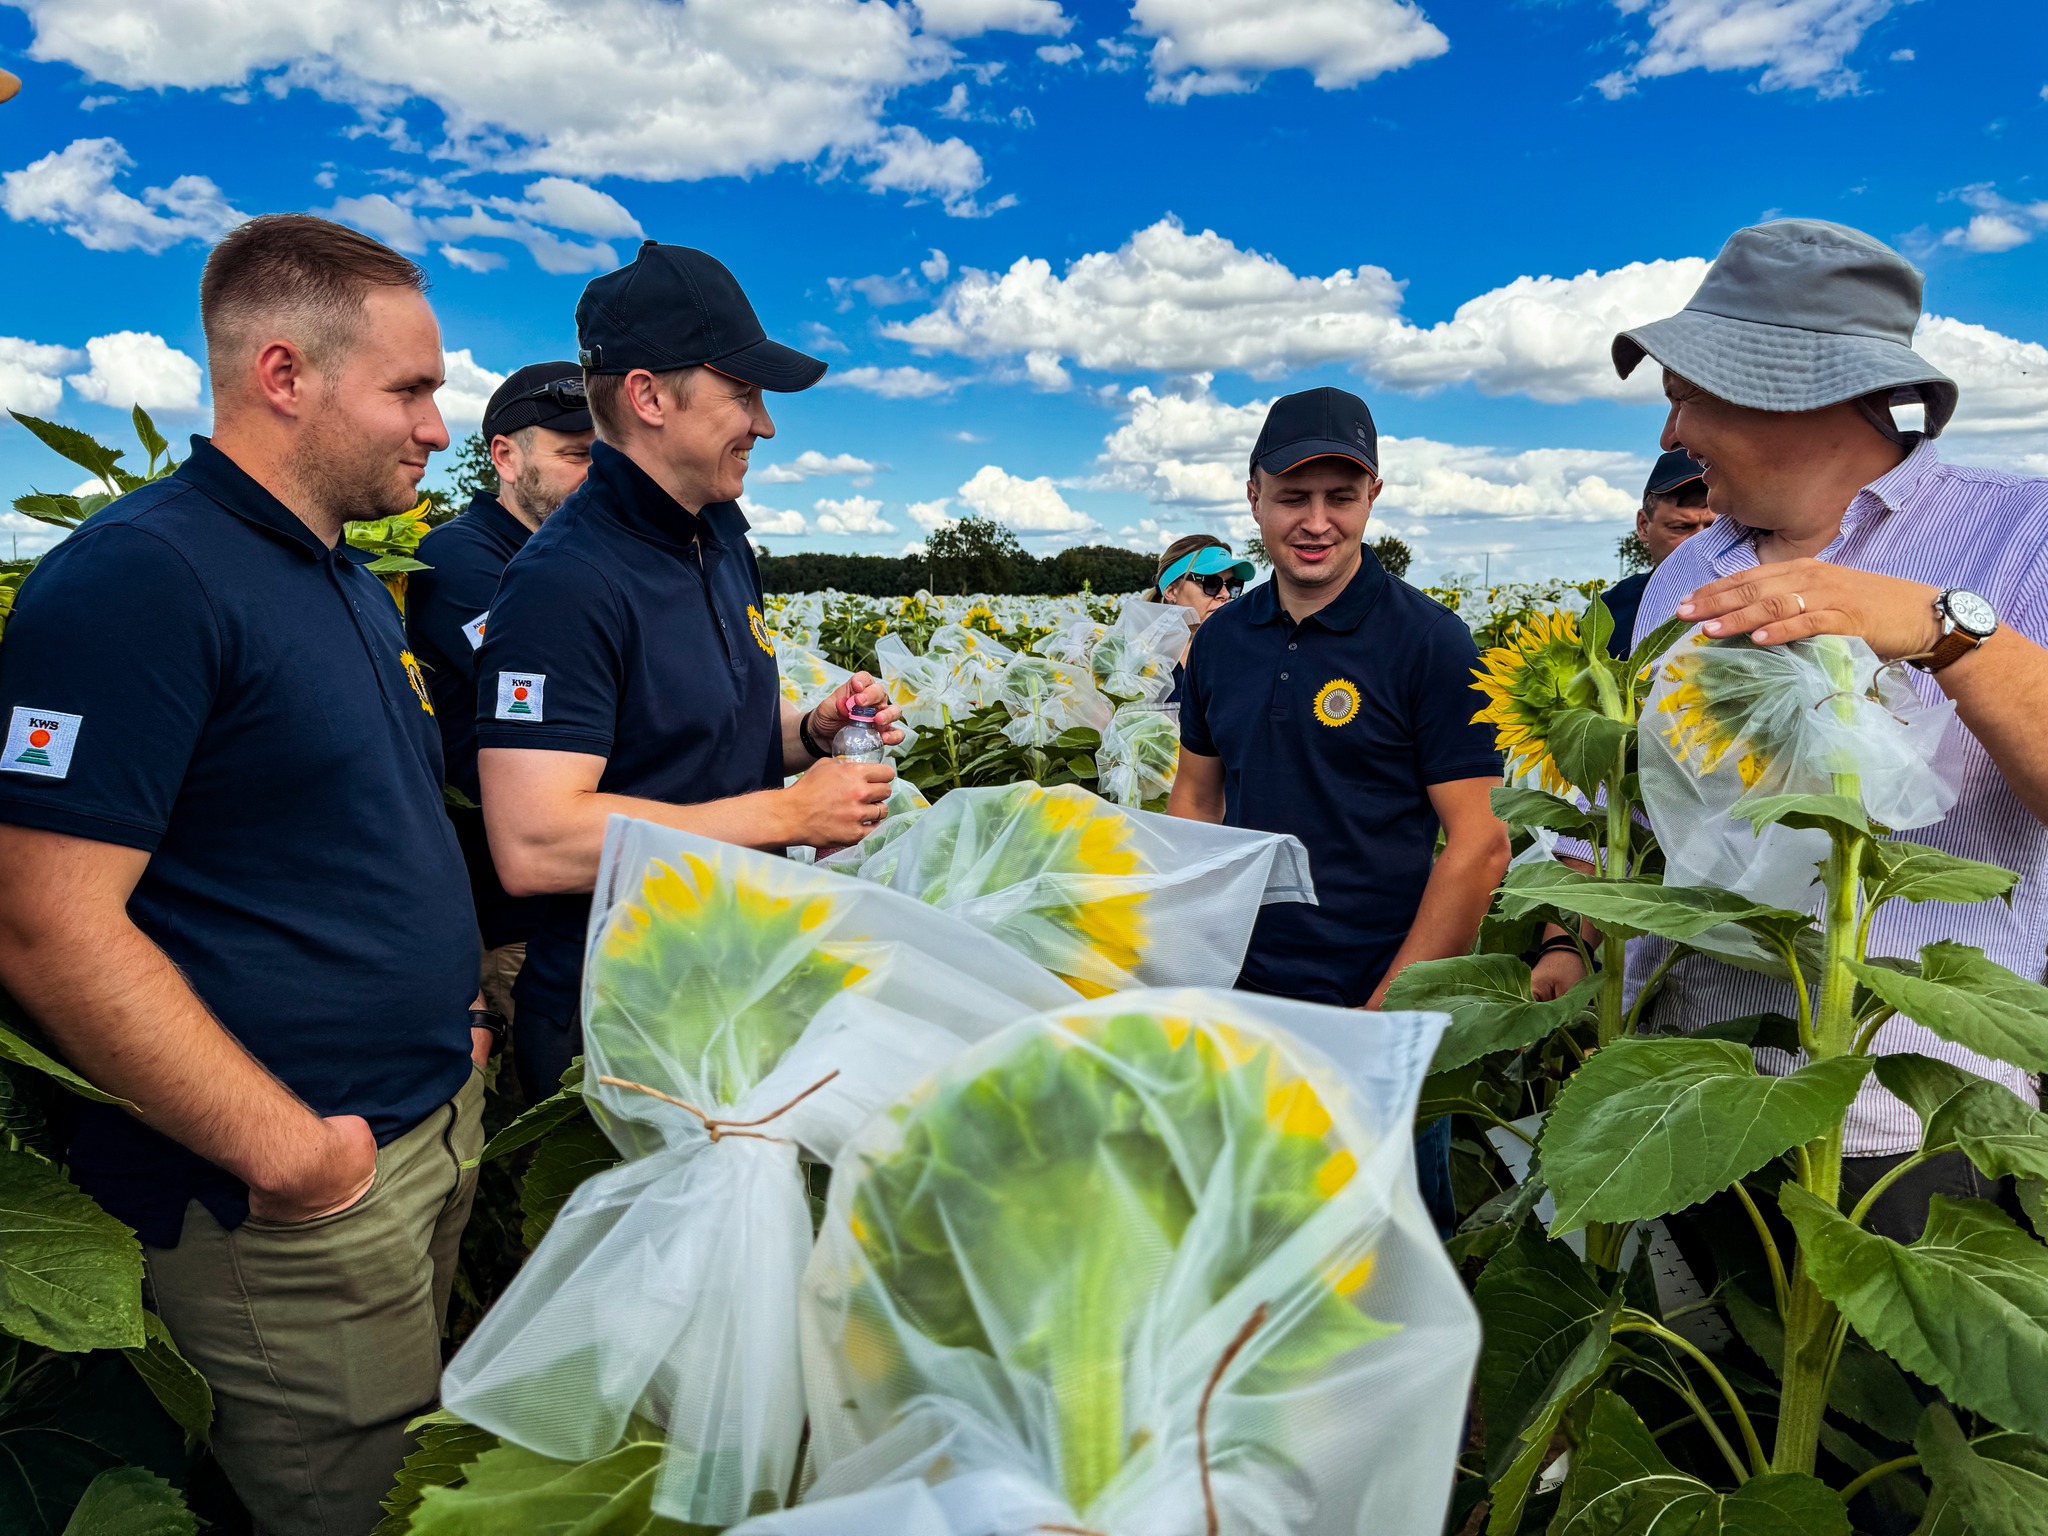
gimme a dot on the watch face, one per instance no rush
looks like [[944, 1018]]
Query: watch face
[[1971, 612]]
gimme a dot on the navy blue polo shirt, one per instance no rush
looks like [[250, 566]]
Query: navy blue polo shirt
[[1625, 600], [1334, 729], [445, 609], [219, 689], [630, 628]]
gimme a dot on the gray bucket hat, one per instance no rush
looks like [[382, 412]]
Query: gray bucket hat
[[1795, 315]]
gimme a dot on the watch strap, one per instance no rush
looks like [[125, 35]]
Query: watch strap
[[1952, 647], [810, 742]]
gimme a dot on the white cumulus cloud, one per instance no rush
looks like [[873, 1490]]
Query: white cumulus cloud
[[645, 89], [948, 169], [1060, 53], [1192, 450], [852, 514], [930, 514], [408, 220], [1211, 47], [32, 375], [1173, 301], [2003, 381], [73, 188], [1999, 224], [1798, 44], [1029, 506], [130, 368], [904, 383], [971, 18], [771, 523], [467, 391], [810, 464]]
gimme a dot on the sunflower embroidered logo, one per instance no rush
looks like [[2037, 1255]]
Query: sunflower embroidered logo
[[759, 626], [1337, 701], [417, 678]]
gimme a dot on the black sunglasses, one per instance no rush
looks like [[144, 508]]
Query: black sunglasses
[[1214, 584], [569, 394]]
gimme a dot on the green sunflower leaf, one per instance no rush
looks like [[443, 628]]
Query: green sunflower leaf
[[1968, 1000]]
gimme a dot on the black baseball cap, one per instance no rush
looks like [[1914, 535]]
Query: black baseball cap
[[538, 395], [1317, 424], [1673, 470], [675, 307]]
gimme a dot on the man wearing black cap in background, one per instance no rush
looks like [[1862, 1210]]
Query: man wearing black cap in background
[[1335, 702], [1674, 509], [627, 668], [538, 433]]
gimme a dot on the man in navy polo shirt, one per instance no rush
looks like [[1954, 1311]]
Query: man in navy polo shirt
[[231, 896], [537, 429], [627, 668], [1335, 702]]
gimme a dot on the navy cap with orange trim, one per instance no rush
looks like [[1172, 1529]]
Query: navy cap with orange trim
[[675, 307], [1317, 424]]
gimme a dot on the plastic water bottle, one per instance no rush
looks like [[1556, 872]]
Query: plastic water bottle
[[858, 741]]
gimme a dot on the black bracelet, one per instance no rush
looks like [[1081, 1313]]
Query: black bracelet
[[803, 734], [495, 1022], [1557, 943]]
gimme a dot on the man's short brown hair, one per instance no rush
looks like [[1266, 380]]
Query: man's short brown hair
[[293, 275], [606, 393]]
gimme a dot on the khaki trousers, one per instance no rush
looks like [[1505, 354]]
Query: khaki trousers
[[321, 1339]]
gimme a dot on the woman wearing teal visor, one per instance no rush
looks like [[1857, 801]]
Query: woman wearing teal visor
[[1199, 573]]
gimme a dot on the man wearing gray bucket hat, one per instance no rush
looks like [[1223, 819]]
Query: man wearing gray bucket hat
[[1782, 373]]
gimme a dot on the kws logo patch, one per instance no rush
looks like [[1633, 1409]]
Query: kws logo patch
[[39, 741], [519, 695]]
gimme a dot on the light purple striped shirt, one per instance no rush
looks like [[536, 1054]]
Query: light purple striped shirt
[[1952, 526]]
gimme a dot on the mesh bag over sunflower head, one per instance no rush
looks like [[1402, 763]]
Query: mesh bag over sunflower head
[[1127, 1244], [1136, 657], [1140, 753], [736, 1006], [807, 677], [1106, 896], [1729, 724]]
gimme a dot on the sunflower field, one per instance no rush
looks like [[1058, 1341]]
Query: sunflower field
[[945, 1185]]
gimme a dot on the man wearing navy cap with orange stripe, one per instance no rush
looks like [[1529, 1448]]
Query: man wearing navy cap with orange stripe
[[627, 668], [1335, 702], [1674, 509]]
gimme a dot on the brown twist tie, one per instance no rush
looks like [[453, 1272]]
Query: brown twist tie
[[715, 1128], [1251, 1326]]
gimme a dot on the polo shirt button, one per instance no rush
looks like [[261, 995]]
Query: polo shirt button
[[1292, 646], [1283, 677]]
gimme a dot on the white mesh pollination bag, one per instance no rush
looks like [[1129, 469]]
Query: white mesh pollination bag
[[1133, 1262], [1047, 698], [1108, 897], [787, 1004], [1136, 657], [1729, 723], [1140, 753]]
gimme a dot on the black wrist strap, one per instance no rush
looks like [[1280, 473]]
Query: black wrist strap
[[486, 1018], [803, 734], [1557, 943]]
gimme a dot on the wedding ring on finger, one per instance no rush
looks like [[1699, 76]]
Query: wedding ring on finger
[[1800, 601]]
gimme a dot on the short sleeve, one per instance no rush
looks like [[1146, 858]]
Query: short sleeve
[[1448, 745], [108, 675], [1194, 705], [550, 671], [454, 592]]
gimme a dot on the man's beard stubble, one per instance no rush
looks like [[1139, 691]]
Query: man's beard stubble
[[539, 500], [342, 479]]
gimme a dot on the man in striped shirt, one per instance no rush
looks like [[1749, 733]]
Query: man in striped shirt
[[1781, 374]]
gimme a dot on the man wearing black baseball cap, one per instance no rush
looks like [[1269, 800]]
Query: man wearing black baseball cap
[[1674, 509], [537, 431], [1335, 702], [627, 668]]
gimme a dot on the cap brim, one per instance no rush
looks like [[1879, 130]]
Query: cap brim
[[565, 421], [1294, 455], [1781, 367], [770, 365], [1666, 487]]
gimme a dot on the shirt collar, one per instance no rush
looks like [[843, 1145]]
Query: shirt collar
[[637, 500], [226, 482], [1344, 613], [495, 517]]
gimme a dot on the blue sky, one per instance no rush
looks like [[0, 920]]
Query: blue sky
[[1058, 252]]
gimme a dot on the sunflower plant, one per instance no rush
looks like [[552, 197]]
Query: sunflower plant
[[1065, 1228], [1828, 1373]]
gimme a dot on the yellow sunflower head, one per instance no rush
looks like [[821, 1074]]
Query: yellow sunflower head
[[1539, 671], [1705, 724]]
